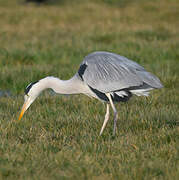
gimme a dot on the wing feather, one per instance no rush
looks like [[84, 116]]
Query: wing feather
[[109, 72]]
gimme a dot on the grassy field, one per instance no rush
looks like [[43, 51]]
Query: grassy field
[[58, 137]]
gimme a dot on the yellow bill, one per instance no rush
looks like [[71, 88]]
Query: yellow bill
[[22, 111]]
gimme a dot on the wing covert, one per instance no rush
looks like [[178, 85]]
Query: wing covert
[[109, 72], [106, 72]]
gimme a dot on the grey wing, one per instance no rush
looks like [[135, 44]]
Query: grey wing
[[108, 72]]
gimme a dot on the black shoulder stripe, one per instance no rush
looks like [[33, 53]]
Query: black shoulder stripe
[[27, 89], [82, 70], [100, 95]]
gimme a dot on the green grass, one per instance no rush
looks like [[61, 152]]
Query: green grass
[[58, 137]]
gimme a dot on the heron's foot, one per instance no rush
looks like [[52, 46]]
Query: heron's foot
[[115, 123], [101, 132], [114, 132]]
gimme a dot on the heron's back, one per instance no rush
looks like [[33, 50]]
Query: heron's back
[[106, 72]]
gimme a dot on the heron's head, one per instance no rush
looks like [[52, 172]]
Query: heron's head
[[31, 93]]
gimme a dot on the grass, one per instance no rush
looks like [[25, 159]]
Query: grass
[[58, 137]]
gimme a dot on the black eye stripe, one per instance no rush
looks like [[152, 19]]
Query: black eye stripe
[[27, 89]]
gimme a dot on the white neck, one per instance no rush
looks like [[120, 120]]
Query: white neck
[[71, 86]]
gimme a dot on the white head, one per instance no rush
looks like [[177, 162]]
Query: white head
[[33, 90], [31, 93]]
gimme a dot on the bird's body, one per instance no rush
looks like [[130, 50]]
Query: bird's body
[[106, 76]]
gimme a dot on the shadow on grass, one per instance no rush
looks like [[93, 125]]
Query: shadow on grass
[[50, 2]]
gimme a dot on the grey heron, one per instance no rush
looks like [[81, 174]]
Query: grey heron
[[106, 76]]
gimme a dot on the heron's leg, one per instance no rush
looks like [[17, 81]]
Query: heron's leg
[[115, 112], [106, 119]]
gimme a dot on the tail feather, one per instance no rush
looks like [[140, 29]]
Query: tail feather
[[150, 79], [141, 92]]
